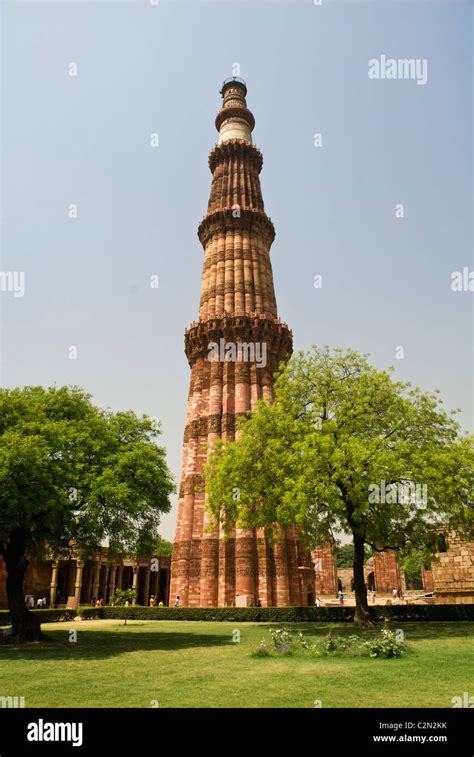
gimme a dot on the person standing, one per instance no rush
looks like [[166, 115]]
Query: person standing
[[177, 602]]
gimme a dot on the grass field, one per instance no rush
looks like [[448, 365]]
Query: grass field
[[196, 664]]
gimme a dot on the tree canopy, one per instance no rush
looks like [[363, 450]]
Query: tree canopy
[[73, 477], [346, 448]]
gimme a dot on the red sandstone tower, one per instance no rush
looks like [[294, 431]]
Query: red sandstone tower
[[237, 307]]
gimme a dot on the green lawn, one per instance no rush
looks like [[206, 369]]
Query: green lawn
[[196, 664]]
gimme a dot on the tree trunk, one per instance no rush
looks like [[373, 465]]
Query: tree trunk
[[25, 626], [361, 615]]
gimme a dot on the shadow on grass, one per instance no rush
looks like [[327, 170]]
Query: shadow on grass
[[96, 645], [103, 644]]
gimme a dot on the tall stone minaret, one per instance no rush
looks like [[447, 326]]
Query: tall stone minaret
[[237, 306]]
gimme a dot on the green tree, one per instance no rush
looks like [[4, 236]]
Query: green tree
[[73, 476], [345, 555], [340, 450], [121, 597], [414, 560], [163, 547]]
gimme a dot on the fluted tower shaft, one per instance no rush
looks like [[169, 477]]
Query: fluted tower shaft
[[233, 350]]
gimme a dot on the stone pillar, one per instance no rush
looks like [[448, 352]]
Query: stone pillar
[[96, 580], [119, 577], [54, 584], [112, 579], [136, 571], [78, 583], [106, 582], [403, 582], [155, 580], [146, 588], [427, 578]]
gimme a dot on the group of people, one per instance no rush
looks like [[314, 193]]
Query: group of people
[[177, 603], [396, 594], [39, 603], [153, 602]]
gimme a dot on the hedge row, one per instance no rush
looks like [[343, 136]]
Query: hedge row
[[58, 614], [47, 615], [406, 613], [336, 614], [242, 614]]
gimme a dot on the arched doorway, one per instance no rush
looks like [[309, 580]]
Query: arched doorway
[[371, 581], [310, 596]]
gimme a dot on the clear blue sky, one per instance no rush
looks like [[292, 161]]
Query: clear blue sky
[[145, 69]]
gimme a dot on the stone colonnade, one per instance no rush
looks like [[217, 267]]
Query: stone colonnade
[[76, 582]]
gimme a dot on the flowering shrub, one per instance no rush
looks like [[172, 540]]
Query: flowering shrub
[[285, 642], [263, 650], [385, 645]]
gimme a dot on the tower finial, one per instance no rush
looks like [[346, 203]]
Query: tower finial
[[234, 120]]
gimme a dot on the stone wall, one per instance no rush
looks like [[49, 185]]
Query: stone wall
[[427, 578], [387, 572], [325, 571], [453, 572]]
